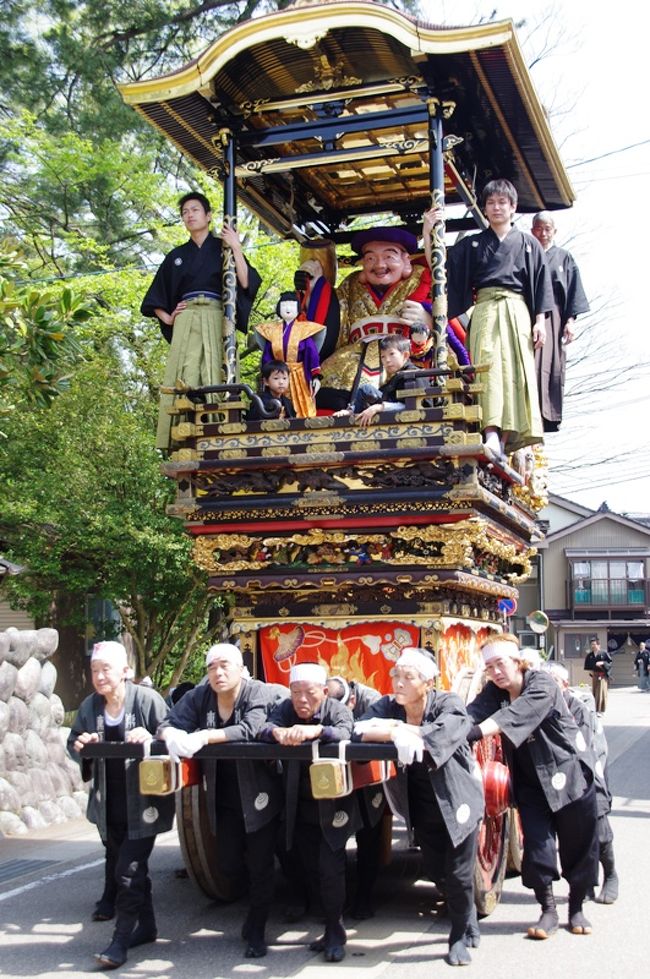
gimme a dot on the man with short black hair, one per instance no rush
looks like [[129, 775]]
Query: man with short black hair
[[599, 665], [185, 297]]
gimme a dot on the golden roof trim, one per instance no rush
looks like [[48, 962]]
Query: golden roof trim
[[302, 26]]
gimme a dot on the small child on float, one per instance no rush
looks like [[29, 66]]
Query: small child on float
[[394, 351], [273, 384]]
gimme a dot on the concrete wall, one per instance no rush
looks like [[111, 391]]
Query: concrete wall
[[39, 783]]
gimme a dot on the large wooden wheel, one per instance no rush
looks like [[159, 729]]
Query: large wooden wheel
[[199, 846], [495, 831], [515, 844], [493, 842]]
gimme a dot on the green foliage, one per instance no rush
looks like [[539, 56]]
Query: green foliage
[[38, 336], [89, 199], [83, 504]]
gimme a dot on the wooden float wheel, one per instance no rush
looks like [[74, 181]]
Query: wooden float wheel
[[493, 842], [515, 844], [494, 831], [199, 846]]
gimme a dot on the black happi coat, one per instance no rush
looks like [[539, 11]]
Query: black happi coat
[[453, 771], [541, 718], [338, 818], [396, 382], [585, 719], [190, 268], [569, 295], [260, 787], [482, 261], [147, 815]]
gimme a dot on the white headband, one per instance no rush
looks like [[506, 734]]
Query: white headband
[[224, 650], [345, 685], [308, 673], [500, 647], [419, 660], [110, 652]]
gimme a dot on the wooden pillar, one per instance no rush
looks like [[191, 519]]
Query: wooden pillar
[[230, 368], [437, 110]]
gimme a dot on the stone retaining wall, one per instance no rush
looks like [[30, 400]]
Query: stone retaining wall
[[39, 783]]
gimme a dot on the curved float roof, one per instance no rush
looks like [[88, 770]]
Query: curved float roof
[[328, 104]]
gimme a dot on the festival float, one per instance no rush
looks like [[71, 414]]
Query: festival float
[[336, 543]]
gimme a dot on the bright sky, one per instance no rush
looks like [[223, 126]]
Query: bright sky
[[594, 84]]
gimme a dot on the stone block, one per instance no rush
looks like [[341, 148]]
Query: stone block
[[47, 643], [28, 679], [8, 677], [32, 818], [18, 715], [48, 679], [11, 824]]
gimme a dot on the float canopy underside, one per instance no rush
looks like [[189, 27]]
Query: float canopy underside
[[328, 105]]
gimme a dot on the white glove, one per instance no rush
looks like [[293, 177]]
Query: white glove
[[410, 746], [370, 724], [180, 744]]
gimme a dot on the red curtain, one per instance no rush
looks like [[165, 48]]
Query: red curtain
[[365, 652]]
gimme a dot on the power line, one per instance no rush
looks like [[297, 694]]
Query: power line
[[622, 149]]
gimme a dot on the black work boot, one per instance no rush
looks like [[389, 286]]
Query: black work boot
[[548, 921], [578, 924], [609, 890], [333, 941], [253, 933], [115, 955], [458, 953], [145, 931]]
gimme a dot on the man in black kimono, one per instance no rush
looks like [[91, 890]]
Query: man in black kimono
[[317, 829], [599, 664], [584, 713], [570, 302], [359, 698], [128, 821], [185, 296], [440, 790], [552, 771], [245, 796], [502, 273]]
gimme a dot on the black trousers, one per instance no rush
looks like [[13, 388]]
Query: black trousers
[[450, 867], [243, 852], [325, 870], [576, 829], [128, 861]]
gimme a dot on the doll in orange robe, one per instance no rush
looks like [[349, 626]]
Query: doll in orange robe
[[297, 343]]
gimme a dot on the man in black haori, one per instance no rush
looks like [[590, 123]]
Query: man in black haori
[[317, 829], [244, 797], [359, 697], [186, 297], [127, 821], [599, 664], [583, 708], [552, 771], [570, 302], [439, 791], [502, 273]]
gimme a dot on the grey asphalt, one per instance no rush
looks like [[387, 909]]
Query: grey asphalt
[[49, 882]]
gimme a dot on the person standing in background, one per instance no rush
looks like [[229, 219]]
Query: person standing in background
[[570, 302]]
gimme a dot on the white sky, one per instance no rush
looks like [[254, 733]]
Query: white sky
[[594, 83]]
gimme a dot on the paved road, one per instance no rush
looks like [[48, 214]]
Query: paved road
[[49, 883]]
